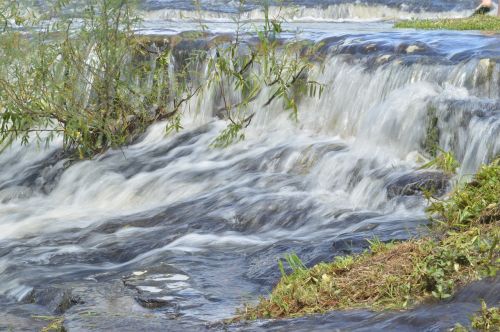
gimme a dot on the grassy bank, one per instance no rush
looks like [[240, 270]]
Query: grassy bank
[[479, 22], [463, 248]]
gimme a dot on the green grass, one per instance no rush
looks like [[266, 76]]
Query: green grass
[[462, 247], [479, 22]]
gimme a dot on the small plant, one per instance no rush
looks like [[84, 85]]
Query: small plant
[[444, 161], [474, 202], [377, 246], [488, 319], [343, 262]]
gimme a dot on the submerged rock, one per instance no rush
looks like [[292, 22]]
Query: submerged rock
[[158, 287], [57, 300], [414, 184]]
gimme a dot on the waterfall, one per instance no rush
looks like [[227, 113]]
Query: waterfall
[[172, 218], [304, 14]]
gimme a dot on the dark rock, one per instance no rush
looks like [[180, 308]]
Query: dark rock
[[57, 300], [414, 184], [153, 303], [490, 215]]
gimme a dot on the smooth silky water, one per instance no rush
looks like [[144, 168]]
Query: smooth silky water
[[171, 234]]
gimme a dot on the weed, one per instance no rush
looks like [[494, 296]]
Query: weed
[[488, 319], [474, 202], [444, 161]]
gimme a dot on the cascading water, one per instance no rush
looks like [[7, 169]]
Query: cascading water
[[306, 10], [169, 233]]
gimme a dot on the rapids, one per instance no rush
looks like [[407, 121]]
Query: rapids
[[169, 233], [306, 10]]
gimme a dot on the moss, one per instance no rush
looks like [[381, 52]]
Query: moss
[[463, 248], [478, 22], [431, 143]]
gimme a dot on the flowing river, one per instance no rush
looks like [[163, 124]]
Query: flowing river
[[170, 234]]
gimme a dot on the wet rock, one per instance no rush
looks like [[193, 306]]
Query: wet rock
[[348, 246], [414, 184], [13, 193], [42, 175], [57, 300], [415, 47], [153, 302], [23, 317], [158, 287]]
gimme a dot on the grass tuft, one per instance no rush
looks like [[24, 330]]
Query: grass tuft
[[477, 202], [444, 161], [463, 248], [478, 22]]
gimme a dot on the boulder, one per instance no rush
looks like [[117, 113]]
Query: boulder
[[416, 183]]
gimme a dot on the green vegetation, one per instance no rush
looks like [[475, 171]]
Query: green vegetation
[[488, 319], [431, 143], [75, 79], [477, 22], [444, 161], [84, 75], [272, 69], [463, 247], [476, 202]]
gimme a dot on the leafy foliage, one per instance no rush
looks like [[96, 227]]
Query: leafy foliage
[[243, 72], [83, 74], [74, 78]]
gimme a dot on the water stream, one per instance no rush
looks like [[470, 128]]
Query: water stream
[[171, 234]]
